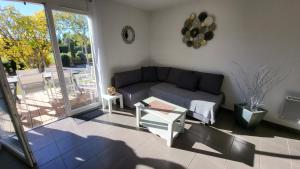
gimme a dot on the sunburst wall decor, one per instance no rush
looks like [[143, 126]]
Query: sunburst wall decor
[[198, 30]]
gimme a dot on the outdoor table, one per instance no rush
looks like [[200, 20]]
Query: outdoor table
[[13, 82]]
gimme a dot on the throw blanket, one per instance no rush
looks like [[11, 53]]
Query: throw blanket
[[204, 108]]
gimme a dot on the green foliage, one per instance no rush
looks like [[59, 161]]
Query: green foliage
[[66, 60], [71, 26], [10, 67], [78, 49], [25, 40], [63, 49], [82, 56], [90, 58]]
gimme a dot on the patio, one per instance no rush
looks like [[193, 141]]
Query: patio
[[39, 99], [42, 110]]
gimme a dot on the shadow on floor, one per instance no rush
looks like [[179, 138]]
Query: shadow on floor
[[198, 138], [94, 151], [8, 160], [222, 144]]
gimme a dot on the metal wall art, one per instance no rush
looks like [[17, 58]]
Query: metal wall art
[[128, 34], [198, 29]]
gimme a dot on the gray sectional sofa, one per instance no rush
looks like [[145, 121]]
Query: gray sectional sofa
[[199, 92]]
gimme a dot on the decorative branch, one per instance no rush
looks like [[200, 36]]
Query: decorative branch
[[254, 87]]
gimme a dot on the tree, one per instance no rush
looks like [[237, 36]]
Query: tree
[[72, 28], [24, 39]]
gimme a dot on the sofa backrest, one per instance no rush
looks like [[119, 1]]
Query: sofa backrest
[[162, 73], [207, 82], [174, 75], [127, 78]]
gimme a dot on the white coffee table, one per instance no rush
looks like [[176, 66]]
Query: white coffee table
[[166, 124], [109, 99]]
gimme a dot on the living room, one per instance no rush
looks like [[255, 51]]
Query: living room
[[249, 38]]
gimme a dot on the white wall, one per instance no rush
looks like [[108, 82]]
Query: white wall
[[117, 56], [252, 33]]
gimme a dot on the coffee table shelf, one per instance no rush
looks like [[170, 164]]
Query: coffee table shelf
[[165, 123], [159, 127]]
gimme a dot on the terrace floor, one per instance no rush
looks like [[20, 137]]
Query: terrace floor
[[40, 109], [112, 141]]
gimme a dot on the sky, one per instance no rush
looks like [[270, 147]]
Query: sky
[[27, 9]]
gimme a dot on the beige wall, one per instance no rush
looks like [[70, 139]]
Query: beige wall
[[110, 18], [252, 33]]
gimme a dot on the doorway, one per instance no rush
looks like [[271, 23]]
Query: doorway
[[27, 55], [74, 40], [48, 61]]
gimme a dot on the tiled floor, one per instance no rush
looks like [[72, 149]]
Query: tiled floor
[[41, 110], [113, 142]]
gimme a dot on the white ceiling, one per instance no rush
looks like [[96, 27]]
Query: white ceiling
[[151, 5]]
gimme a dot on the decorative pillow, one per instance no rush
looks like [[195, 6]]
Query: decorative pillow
[[162, 73], [174, 75], [211, 83], [149, 74], [127, 78], [188, 80]]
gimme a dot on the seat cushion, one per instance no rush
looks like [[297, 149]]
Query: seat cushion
[[188, 80], [162, 73], [149, 74], [127, 78], [198, 102], [135, 93], [210, 83]]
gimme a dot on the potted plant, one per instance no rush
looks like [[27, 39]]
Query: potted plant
[[253, 88]]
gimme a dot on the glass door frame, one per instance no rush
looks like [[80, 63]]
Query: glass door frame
[[59, 65], [13, 113]]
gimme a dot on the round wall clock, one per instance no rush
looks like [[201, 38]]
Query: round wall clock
[[198, 30]]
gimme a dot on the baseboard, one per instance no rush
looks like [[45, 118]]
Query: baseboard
[[271, 124], [280, 127]]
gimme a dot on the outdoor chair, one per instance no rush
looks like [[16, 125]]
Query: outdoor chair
[[31, 81], [86, 80], [68, 80]]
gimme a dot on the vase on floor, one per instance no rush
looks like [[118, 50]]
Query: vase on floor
[[247, 118]]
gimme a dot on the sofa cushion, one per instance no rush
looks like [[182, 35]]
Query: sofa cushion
[[188, 80], [149, 74], [162, 73], [210, 83], [198, 102], [127, 78], [174, 75], [135, 93]]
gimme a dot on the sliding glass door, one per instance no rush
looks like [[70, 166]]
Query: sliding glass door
[[74, 41], [47, 70], [51, 75], [27, 55], [11, 131]]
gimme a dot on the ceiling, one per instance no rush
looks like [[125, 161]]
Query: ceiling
[[151, 5]]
